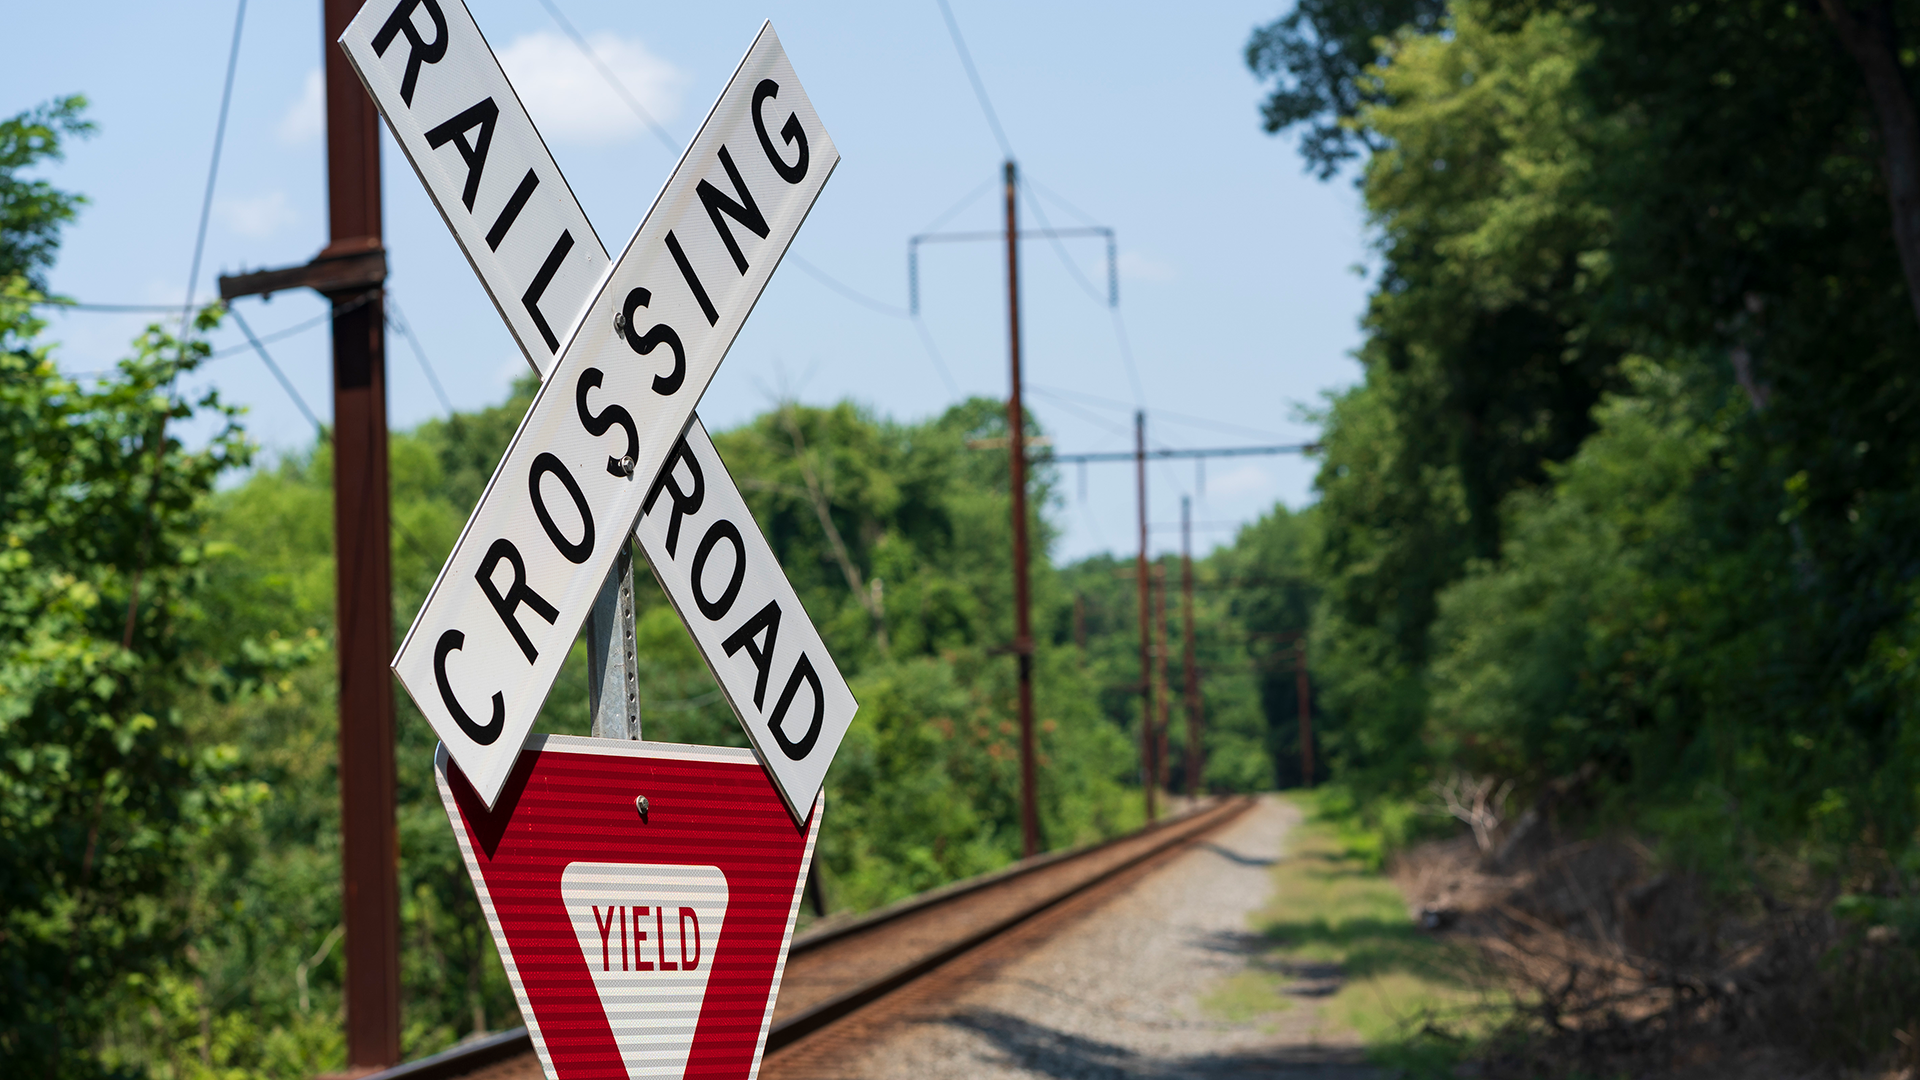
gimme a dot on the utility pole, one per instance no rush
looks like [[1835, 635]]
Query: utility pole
[[1195, 755], [1017, 448], [1160, 676], [1148, 773], [362, 571], [1306, 708]]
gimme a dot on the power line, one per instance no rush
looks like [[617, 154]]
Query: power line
[[74, 305], [1053, 236], [277, 335], [286, 384], [848, 291], [845, 291], [968, 200], [1164, 453], [1165, 414], [213, 171], [398, 320], [979, 88], [612, 80], [939, 362]]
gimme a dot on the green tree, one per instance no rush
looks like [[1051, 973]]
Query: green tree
[[32, 211], [102, 785]]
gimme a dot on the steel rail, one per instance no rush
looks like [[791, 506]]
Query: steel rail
[[1170, 831]]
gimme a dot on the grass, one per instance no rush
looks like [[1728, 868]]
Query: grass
[[1418, 1002]]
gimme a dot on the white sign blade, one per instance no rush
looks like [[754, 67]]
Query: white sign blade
[[467, 61], [770, 661], [461, 125], [490, 638]]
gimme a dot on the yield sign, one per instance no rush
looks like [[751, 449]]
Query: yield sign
[[638, 944], [603, 441]]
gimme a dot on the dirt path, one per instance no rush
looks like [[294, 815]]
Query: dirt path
[[1137, 988]]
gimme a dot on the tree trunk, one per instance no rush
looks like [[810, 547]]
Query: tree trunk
[[1869, 37]]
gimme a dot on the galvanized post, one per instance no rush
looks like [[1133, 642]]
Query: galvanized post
[[613, 663]]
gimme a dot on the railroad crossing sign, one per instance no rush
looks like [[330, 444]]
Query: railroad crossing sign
[[642, 938], [611, 436]]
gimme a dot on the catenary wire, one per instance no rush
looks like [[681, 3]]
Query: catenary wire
[[74, 305], [186, 329], [979, 88], [939, 362], [286, 384], [607, 74], [1119, 324], [846, 291], [965, 201], [399, 321], [213, 171], [1164, 414]]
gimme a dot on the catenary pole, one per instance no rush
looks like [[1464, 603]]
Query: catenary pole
[[1147, 771], [1017, 451], [1195, 755], [1305, 692], [1160, 756], [362, 572]]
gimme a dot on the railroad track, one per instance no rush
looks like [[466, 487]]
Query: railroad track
[[839, 967]]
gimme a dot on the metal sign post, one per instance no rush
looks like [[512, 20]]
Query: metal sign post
[[606, 831]]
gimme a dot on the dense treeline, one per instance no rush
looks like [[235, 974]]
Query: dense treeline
[[1629, 489], [169, 807]]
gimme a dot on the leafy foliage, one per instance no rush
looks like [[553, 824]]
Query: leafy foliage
[[103, 787], [32, 211], [1316, 56], [1627, 490]]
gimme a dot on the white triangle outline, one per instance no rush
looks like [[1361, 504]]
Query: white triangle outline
[[621, 748]]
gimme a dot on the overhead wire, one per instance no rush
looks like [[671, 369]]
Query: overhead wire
[[74, 305], [213, 170], [186, 328], [398, 320], [1112, 304], [965, 201], [286, 384], [606, 73], [844, 290], [1006, 147], [1166, 414], [979, 88]]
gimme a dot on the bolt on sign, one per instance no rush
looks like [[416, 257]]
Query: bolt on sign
[[638, 944], [611, 435]]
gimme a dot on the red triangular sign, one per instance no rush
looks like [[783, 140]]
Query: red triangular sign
[[637, 946]]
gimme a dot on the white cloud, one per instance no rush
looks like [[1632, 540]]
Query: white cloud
[[306, 118], [569, 99], [258, 217], [1137, 267]]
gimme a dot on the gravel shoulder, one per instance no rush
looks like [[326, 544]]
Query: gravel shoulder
[[1142, 988]]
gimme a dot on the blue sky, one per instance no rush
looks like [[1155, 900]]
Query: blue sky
[[1238, 291]]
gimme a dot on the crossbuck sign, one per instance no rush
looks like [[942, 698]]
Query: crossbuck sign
[[626, 350]]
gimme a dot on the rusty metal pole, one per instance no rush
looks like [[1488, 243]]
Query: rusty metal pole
[[1160, 755], [1306, 708], [1017, 450], [362, 572], [1195, 755], [1147, 770]]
